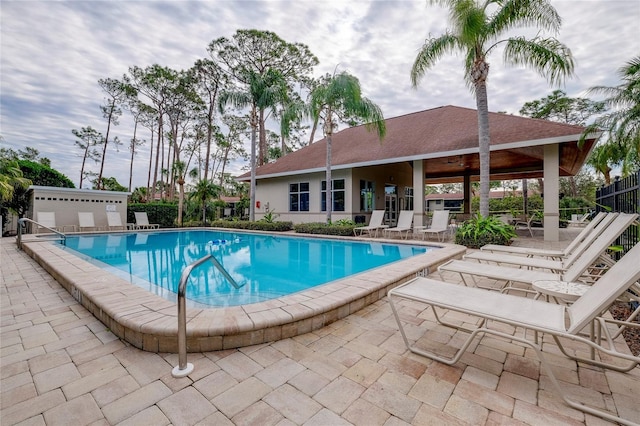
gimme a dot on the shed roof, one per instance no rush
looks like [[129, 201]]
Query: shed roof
[[446, 139]]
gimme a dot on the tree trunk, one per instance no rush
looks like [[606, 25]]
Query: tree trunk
[[133, 153], [252, 189], [484, 143], [262, 154], [180, 200]]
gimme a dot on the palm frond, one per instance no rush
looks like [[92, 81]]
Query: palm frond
[[549, 57]]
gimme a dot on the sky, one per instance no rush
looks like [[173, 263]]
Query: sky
[[52, 54]]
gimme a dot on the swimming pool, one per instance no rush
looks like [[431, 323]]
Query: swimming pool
[[149, 322], [266, 266]]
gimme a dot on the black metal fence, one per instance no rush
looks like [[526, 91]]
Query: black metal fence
[[622, 196]]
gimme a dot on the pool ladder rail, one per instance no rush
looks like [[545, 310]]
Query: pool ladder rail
[[21, 225], [185, 368]]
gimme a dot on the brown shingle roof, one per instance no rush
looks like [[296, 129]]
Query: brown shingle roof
[[434, 133]]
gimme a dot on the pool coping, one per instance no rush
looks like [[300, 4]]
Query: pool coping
[[149, 322]]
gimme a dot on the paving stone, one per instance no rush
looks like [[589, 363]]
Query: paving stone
[[187, 406], [534, 415], [150, 369], [292, 404], [326, 417], [93, 381], [135, 402], [32, 407], [466, 410], [480, 377], [339, 394], [241, 396], [429, 415], [116, 389], [345, 356], [309, 382], [280, 372], [239, 366], [78, 411], [394, 402], [365, 372], [13, 396], [260, 413], [49, 360], [522, 366], [518, 387], [217, 419], [324, 366], [215, 384], [492, 400], [149, 416], [55, 377], [397, 381], [364, 413], [432, 390], [13, 369]]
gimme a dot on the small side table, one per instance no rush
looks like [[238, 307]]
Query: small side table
[[566, 291]]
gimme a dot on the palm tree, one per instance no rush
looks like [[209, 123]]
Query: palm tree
[[477, 29], [339, 98], [178, 171], [263, 91], [622, 124], [10, 178], [203, 192]]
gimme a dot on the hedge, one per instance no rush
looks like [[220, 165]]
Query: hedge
[[324, 229]]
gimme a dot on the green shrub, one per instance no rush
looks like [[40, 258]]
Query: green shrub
[[479, 230], [324, 229], [253, 226]]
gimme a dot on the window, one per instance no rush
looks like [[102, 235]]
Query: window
[[408, 198], [337, 195], [299, 197], [367, 196]]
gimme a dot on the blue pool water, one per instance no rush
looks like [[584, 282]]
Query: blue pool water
[[266, 266]]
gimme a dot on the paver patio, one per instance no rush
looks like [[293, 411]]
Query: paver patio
[[60, 365]]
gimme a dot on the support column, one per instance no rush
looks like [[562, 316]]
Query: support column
[[551, 193], [466, 194], [418, 193]]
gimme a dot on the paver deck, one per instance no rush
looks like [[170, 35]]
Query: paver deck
[[60, 365]]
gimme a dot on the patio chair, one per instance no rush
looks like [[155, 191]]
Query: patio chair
[[142, 221], [579, 221], [86, 221], [439, 225], [375, 224], [114, 221], [563, 262], [510, 275], [405, 221], [46, 219], [558, 321], [526, 224], [553, 254]]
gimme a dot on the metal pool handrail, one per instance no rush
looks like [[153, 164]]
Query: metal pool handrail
[[184, 368], [21, 225]]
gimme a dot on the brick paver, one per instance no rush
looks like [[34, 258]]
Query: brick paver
[[59, 365]]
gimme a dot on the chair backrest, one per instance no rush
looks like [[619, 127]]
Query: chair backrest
[[114, 219], [440, 219], [85, 220], [585, 231], [142, 218], [590, 238], [377, 216], [597, 247], [605, 291], [47, 219], [406, 219]]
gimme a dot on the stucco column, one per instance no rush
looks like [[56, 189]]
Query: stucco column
[[551, 193], [418, 192]]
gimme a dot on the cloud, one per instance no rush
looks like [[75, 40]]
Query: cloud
[[54, 53]]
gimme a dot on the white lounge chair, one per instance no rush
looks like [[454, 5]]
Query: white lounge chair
[[553, 254], [405, 221], [142, 221], [86, 221], [114, 221], [563, 262], [375, 224], [47, 220], [579, 221], [493, 312], [510, 275], [439, 225]]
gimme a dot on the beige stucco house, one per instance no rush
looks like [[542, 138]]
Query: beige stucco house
[[438, 145]]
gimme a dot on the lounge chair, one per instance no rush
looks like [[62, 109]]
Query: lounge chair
[[114, 221], [558, 321], [404, 224], [579, 221], [142, 221], [553, 254], [511, 275], [86, 221], [375, 224], [564, 262], [439, 224], [47, 220]]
